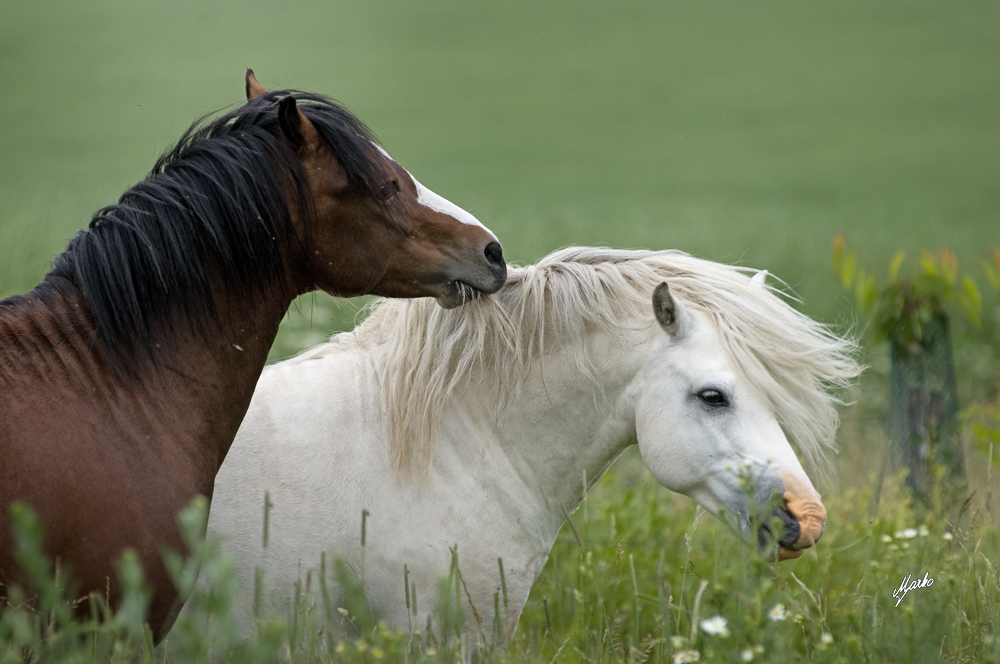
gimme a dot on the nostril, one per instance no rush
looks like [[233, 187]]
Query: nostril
[[494, 253], [791, 531]]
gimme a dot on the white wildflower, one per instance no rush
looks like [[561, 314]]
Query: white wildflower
[[907, 533], [777, 613], [886, 539], [746, 655], [827, 638], [686, 656], [716, 625], [947, 537]]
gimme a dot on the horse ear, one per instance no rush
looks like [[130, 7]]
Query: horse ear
[[254, 89], [668, 311], [298, 129], [759, 280]]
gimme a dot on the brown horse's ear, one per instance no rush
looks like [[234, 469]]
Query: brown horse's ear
[[254, 89], [297, 128]]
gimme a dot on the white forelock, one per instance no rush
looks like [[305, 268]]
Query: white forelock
[[421, 351]]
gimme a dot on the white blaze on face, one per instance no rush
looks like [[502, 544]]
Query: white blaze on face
[[433, 201], [429, 199]]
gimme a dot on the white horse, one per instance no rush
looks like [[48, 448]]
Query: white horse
[[478, 426]]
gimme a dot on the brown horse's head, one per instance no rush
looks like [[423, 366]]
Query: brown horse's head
[[391, 237]]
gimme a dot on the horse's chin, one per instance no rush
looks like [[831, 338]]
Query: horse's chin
[[456, 294], [791, 544], [789, 554]]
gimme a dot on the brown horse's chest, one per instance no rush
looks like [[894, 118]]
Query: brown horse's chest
[[107, 460], [104, 470]]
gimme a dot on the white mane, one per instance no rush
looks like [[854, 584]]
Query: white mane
[[421, 351]]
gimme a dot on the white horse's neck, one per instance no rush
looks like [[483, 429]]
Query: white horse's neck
[[562, 426]]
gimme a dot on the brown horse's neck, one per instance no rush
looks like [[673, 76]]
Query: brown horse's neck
[[210, 374], [199, 385]]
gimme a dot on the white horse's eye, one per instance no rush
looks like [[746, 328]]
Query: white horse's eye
[[713, 397]]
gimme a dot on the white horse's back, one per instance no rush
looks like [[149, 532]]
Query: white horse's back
[[315, 442], [305, 436]]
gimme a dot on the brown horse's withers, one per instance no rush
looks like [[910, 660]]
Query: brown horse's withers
[[125, 374]]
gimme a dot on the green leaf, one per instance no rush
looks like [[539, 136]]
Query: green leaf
[[136, 595], [838, 253], [29, 534], [845, 547], [972, 290], [839, 243], [971, 300], [897, 262], [866, 293], [949, 266], [992, 274], [847, 277], [928, 264]]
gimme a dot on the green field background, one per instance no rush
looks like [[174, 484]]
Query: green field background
[[742, 132]]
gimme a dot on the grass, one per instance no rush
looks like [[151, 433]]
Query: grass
[[743, 132], [634, 583]]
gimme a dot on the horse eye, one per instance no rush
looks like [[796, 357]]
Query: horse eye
[[713, 398], [388, 190]]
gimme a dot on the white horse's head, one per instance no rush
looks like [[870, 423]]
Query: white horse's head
[[705, 431]]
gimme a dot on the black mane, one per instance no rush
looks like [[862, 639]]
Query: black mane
[[213, 206]]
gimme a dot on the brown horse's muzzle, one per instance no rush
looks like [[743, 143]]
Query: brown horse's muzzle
[[803, 515], [476, 277]]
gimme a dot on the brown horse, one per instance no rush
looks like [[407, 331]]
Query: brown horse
[[125, 374]]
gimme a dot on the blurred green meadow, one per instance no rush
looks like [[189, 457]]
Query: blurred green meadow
[[748, 133], [743, 132]]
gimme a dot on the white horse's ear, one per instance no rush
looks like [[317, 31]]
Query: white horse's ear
[[668, 311], [759, 280]]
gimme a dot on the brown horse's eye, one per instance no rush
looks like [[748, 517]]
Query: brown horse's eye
[[388, 190]]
